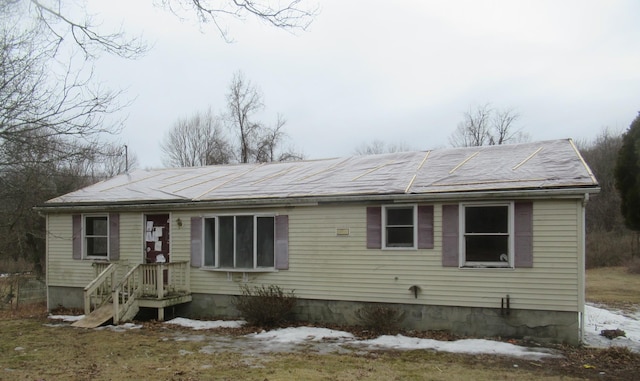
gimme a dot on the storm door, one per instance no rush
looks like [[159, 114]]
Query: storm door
[[157, 238]]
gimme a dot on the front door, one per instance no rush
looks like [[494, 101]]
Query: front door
[[157, 238]]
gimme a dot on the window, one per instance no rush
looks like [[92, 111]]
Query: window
[[487, 238], [96, 236], [239, 242], [399, 226]]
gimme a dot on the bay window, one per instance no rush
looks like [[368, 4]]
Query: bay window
[[239, 241]]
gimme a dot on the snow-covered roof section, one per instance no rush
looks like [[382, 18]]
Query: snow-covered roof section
[[552, 164]]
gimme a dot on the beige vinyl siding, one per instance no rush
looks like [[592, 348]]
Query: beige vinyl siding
[[326, 266], [63, 270], [132, 237], [323, 265]]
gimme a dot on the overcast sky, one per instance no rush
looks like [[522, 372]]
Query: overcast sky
[[398, 71]]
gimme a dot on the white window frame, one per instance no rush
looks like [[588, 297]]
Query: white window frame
[[462, 235], [85, 254], [414, 207], [216, 249]]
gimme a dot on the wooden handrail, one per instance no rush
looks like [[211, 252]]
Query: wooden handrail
[[125, 293], [108, 274]]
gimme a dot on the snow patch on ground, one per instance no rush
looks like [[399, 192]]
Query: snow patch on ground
[[200, 324], [120, 328], [301, 334], [324, 340], [598, 319], [66, 318], [468, 346]]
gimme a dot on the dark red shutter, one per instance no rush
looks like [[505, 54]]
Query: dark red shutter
[[114, 236], [76, 228], [425, 226], [374, 227], [196, 241], [282, 242], [450, 239], [523, 235]]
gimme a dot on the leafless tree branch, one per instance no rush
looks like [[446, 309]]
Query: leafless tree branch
[[85, 33], [289, 15]]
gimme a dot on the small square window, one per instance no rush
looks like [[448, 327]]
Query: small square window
[[399, 226]]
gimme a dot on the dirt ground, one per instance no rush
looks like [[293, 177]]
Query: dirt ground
[[32, 348]]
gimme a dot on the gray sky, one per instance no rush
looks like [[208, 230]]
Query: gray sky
[[400, 72]]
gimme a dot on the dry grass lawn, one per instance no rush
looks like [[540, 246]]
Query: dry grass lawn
[[613, 286], [30, 349]]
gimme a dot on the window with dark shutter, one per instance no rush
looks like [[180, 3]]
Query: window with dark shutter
[[282, 242], [491, 238], [374, 227], [196, 241], [450, 238], [400, 227], [523, 234], [425, 226], [76, 222], [114, 237], [96, 236]]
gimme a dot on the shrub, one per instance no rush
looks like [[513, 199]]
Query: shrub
[[380, 319], [265, 306]]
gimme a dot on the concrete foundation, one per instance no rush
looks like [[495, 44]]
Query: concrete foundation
[[544, 326], [67, 297]]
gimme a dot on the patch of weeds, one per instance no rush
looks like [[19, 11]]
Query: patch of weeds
[[380, 319], [266, 306], [618, 356]]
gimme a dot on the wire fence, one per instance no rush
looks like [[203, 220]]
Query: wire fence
[[21, 289]]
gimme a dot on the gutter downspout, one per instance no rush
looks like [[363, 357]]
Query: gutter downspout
[[46, 260], [582, 270]]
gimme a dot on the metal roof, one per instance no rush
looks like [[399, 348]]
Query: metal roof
[[554, 164]]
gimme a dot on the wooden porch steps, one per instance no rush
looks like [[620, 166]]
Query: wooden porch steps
[[96, 318], [150, 285]]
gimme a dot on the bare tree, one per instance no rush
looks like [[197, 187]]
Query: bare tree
[[196, 141], [39, 98], [503, 130], [53, 114], [38, 172], [377, 147], [256, 142], [201, 139], [487, 126], [243, 101]]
